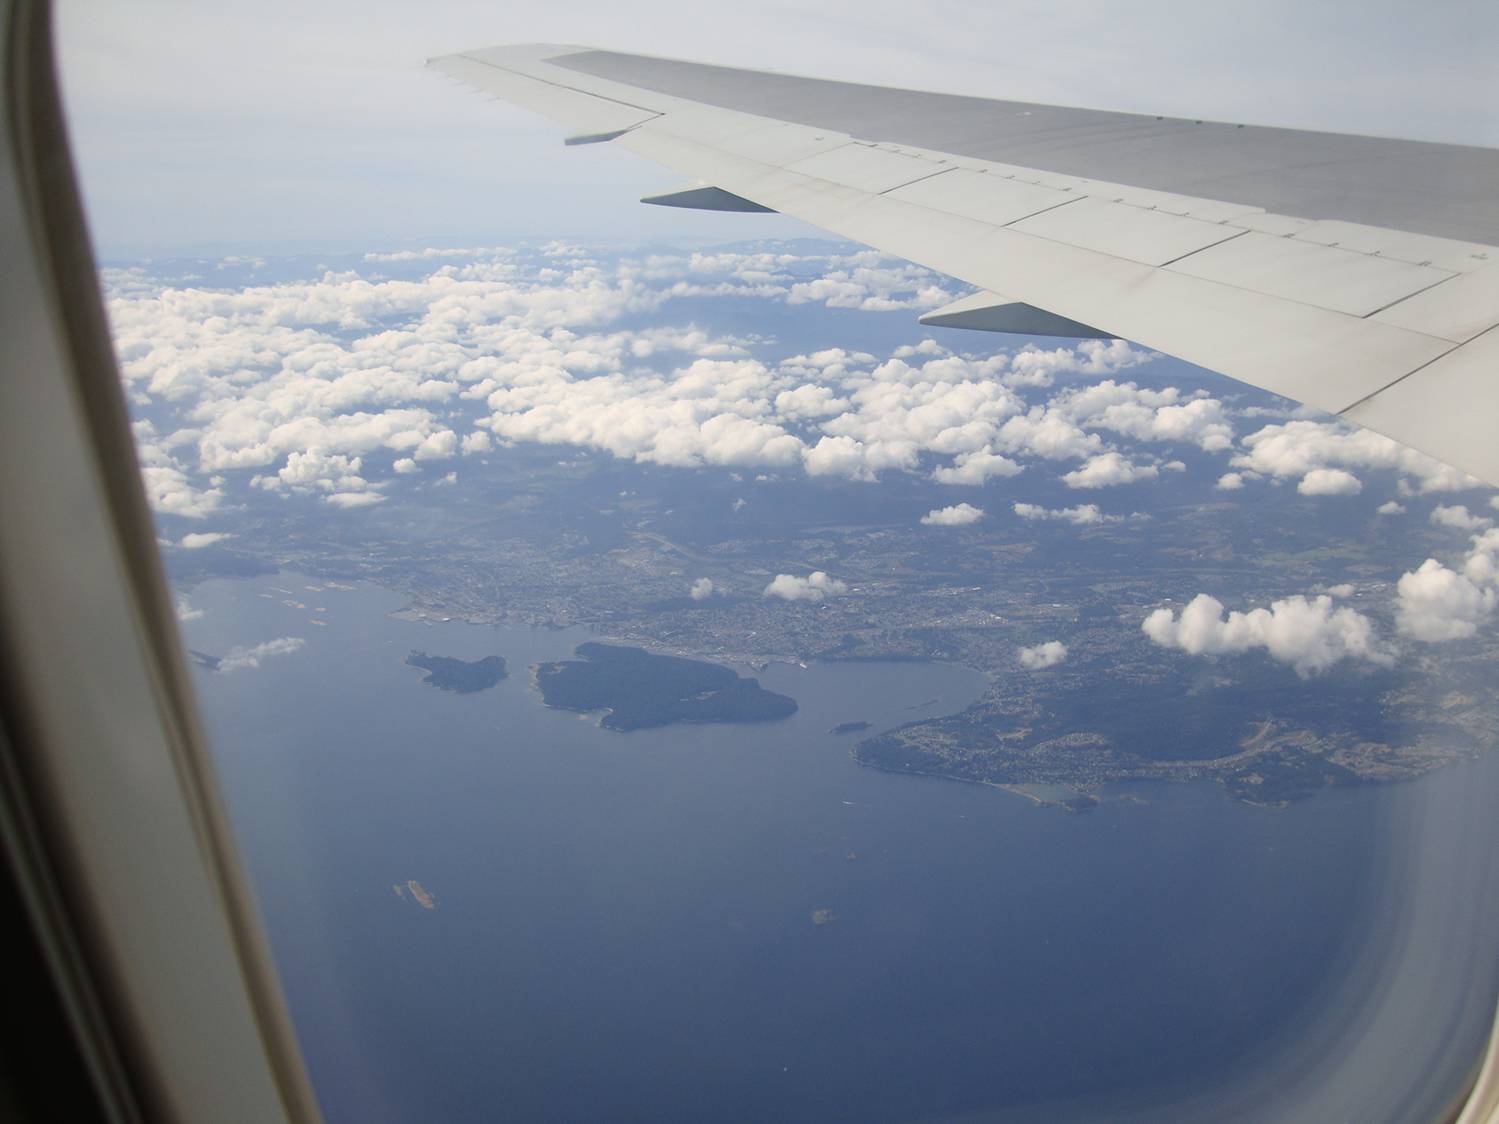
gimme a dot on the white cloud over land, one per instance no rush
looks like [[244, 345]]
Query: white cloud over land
[[1436, 604], [958, 515], [1309, 634], [816, 586], [1039, 656]]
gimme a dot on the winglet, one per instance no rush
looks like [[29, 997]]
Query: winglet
[[990, 312]]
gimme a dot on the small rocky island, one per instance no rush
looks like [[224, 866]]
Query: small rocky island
[[640, 690], [462, 676], [849, 728]]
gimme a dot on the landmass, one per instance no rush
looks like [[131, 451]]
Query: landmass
[[589, 542], [419, 893], [849, 728], [1264, 745], [462, 676], [639, 689]]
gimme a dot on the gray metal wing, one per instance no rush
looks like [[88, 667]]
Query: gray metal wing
[[1355, 274]]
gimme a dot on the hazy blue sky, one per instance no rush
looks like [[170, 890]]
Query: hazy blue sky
[[287, 125]]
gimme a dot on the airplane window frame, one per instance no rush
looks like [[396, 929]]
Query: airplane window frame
[[96, 624]]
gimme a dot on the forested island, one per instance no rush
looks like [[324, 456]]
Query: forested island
[[640, 690], [462, 676]]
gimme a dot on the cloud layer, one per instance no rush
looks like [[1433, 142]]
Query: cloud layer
[[341, 386]]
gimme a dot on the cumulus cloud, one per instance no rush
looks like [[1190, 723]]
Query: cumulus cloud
[[186, 612], [702, 589], [816, 586], [1457, 515], [1391, 507], [1329, 482], [974, 468], [958, 515], [1230, 482], [199, 539], [1108, 469], [1165, 415], [1436, 604], [1082, 515], [1307, 633], [1297, 448], [873, 284], [1039, 656], [237, 659]]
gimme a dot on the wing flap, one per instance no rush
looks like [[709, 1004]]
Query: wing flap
[[1308, 273], [1468, 379], [1455, 310], [1125, 231]]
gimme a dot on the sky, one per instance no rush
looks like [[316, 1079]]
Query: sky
[[314, 127]]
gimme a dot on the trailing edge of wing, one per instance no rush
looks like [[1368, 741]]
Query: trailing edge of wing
[[1392, 326]]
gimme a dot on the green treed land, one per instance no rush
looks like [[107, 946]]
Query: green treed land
[[463, 676], [640, 690]]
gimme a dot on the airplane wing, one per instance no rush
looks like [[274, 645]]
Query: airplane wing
[[1355, 274]]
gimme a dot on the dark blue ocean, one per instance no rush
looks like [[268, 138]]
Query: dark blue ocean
[[624, 926]]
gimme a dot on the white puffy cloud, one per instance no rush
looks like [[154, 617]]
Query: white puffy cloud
[[1083, 514], [814, 587], [976, 467], [702, 589], [1150, 415], [958, 515], [238, 658], [1033, 366], [1230, 482], [186, 612], [1457, 515], [1329, 482], [1107, 470], [1391, 507], [1296, 448], [1307, 633], [1436, 604], [199, 539], [1049, 433], [1040, 656], [872, 285]]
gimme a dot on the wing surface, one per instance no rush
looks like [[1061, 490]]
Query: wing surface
[[1357, 275]]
